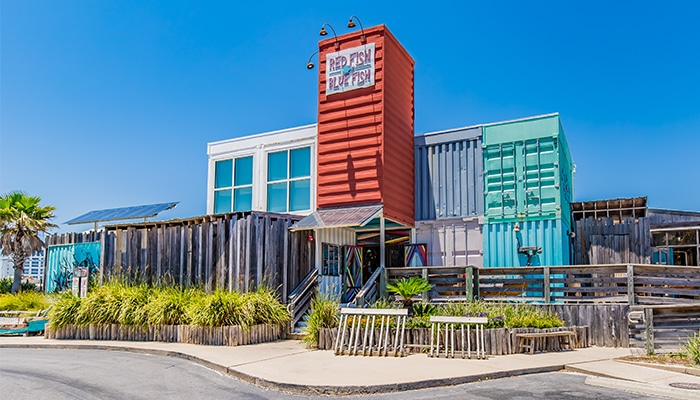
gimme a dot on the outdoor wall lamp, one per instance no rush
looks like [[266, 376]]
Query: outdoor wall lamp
[[516, 228], [309, 64], [324, 32], [351, 24]]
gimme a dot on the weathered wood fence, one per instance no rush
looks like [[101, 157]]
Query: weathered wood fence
[[663, 328], [499, 341], [610, 241], [235, 251], [626, 283], [205, 335]]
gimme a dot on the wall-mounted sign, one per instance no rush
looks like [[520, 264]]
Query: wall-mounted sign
[[350, 69]]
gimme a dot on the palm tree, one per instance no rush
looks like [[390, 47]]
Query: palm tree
[[22, 218]]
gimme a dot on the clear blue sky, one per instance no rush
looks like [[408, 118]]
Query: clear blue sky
[[111, 103]]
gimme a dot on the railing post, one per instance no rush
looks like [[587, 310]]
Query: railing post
[[477, 290], [630, 284], [469, 282], [649, 330], [382, 283], [425, 296], [546, 292]]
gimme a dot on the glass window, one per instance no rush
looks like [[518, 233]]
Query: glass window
[[223, 174], [244, 171], [243, 199], [658, 239], [300, 163], [300, 195], [289, 180], [682, 237], [222, 201], [277, 166], [331, 260], [277, 197], [233, 185]]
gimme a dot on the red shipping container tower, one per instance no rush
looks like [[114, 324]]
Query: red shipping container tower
[[365, 123]]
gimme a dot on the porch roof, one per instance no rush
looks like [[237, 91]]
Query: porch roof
[[342, 217]]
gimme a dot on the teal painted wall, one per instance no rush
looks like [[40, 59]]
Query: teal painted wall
[[501, 243], [528, 170]]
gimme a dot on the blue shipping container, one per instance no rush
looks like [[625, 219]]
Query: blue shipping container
[[502, 240]]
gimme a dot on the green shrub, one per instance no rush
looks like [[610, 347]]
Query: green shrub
[[323, 314], [692, 348], [102, 305], [384, 302], [6, 286], [406, 288], [168, 306], [29, 301], [503, 314], [218, 309], [64, 310], [264, 307], [132, 310]]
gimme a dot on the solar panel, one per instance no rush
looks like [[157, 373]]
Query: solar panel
[[115, 214]]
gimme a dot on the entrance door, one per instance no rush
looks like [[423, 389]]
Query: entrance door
[[352, 272]]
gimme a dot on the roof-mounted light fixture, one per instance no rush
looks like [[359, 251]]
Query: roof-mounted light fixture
[[351, 24], [324, 32], [309, 64]]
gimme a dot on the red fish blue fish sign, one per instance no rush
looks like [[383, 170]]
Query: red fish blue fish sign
[[350, 69]]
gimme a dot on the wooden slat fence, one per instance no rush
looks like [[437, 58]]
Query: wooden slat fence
[[235, 251], [607, 241], [663, 328]]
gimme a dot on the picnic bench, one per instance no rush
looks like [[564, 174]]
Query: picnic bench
[[23, 322], [357, 331], [449, 336], [526, 341]]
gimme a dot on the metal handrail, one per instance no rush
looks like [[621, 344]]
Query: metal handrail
[[369, 288], [299, 300]]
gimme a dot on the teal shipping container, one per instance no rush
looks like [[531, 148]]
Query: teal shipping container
[[528, 170], [508, 244]]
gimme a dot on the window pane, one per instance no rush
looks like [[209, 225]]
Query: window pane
[[277, 197], [244, 171], [658, 239], [222, 201], [300, 163], [277, 166], [223, 173], [243, 199], [299, 195], [682, 237]]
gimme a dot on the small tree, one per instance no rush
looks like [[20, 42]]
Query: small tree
[[22, 218], [407, 288]]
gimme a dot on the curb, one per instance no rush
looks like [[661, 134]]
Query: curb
[[641, 388], [671, 368], [298, 388]]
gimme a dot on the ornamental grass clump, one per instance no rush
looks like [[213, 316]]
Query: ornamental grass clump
[[323, 314], [64, 310], [503, 314], [24, 301], [132, 310], [692, 348], [220, 309], [264, 307], [169, 305]]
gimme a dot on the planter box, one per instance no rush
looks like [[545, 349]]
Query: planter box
[[496, 341], [212, 336]]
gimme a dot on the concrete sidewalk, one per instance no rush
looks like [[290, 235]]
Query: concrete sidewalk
[[288, 365]]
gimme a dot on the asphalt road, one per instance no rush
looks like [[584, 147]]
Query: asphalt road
[[95, 374]]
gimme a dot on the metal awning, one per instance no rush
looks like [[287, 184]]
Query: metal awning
[[339, 217]]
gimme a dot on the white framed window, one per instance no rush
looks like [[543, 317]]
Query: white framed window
[[233, 185], [289, 180]]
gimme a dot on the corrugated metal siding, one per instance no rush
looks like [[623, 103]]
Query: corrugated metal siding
[[449, 174], [331, 285], [365, 138], [451, 242], [501, 246], [528, 171]]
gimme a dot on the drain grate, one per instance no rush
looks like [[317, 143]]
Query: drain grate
[[685, 385]]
